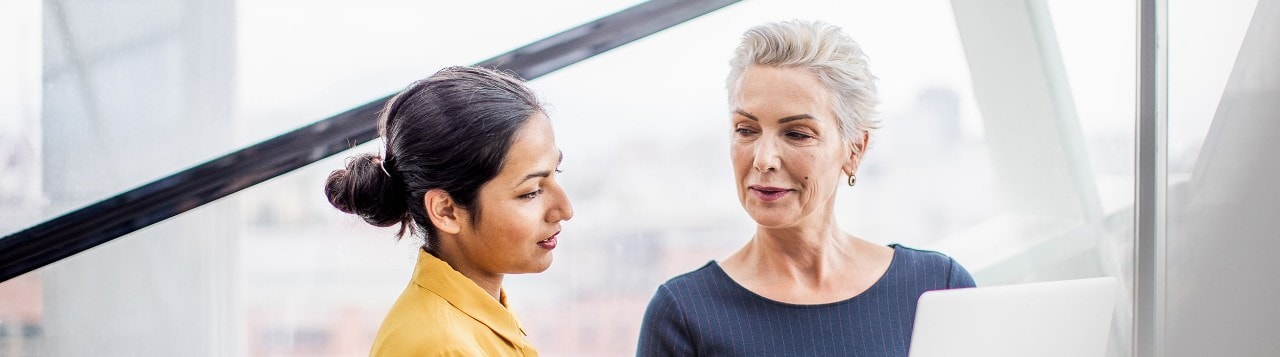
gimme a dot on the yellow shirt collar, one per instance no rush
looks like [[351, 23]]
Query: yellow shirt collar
[[436, 275]]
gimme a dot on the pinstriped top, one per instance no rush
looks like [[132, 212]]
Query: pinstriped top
[[706, 313]]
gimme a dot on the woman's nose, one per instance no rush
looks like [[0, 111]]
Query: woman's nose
[[766, 155], [561, 209]]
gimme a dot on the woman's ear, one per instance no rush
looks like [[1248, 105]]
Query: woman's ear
[[444, 212], [855, 154]]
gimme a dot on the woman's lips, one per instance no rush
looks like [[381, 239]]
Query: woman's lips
[[549, 243], [768, 194]]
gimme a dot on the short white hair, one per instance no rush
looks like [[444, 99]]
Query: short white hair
[[827, 52]]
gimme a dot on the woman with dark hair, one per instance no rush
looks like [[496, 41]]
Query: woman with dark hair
[[470, 165]]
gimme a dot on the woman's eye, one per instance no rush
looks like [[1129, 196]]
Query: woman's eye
[[798, 135], [744, 131], [532, 195]]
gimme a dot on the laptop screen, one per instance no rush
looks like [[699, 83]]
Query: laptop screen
[[1058, 318]]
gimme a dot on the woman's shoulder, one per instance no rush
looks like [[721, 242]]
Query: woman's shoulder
[[707, 272], [429, 336], [414, 343], [709, 276], [914, 264], [417, 303], [426, 325], [919, 256]]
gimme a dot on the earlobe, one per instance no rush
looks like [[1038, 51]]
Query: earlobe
[[443, 211]]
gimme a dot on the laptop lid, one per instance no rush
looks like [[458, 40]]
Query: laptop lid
[[1058, 318]]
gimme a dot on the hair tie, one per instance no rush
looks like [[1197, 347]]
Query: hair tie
[[382, 158]]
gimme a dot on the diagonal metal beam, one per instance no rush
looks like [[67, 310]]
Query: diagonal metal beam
[[169, 196]]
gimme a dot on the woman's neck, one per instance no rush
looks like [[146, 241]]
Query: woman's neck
[[807, 267], [808, 256], [491, 283]]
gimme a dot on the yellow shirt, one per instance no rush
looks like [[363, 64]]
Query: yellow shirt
[[443, 313]]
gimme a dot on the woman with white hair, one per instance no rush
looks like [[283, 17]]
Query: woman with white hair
[[801, 104]]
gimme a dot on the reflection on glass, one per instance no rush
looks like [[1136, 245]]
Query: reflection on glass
[[1222, 198]]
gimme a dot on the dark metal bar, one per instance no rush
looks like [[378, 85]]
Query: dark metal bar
[[158, 200], [1149, 189]]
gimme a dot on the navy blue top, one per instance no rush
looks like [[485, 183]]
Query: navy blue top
[[706, 313]]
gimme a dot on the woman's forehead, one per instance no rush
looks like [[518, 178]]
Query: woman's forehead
[[764, 85], [532, 149]]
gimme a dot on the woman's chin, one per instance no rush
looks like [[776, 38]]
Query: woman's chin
[[772, 219], [544, 267], [537, 265]]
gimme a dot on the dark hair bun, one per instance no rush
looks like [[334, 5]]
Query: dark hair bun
[[365, 190]]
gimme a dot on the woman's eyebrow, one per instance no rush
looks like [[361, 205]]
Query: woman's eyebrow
[[795, 117], [543, 173], [782, 120]]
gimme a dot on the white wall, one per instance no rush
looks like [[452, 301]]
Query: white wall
[[1224, 220]]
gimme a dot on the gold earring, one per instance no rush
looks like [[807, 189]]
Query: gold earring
[[852, 179]]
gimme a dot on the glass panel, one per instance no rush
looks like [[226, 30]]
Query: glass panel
[[1222, 197], [20, 163], [102, 104], [1204, 39], [360, 51], [1098, 44], [276, 271]]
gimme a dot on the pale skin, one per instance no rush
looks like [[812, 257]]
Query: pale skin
[[520, 213], [789, 159]]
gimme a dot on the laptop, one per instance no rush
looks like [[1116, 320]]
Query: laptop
[[1058, 318]]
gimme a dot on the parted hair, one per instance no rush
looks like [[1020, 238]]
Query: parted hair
[[450, 131], [824, 50]]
